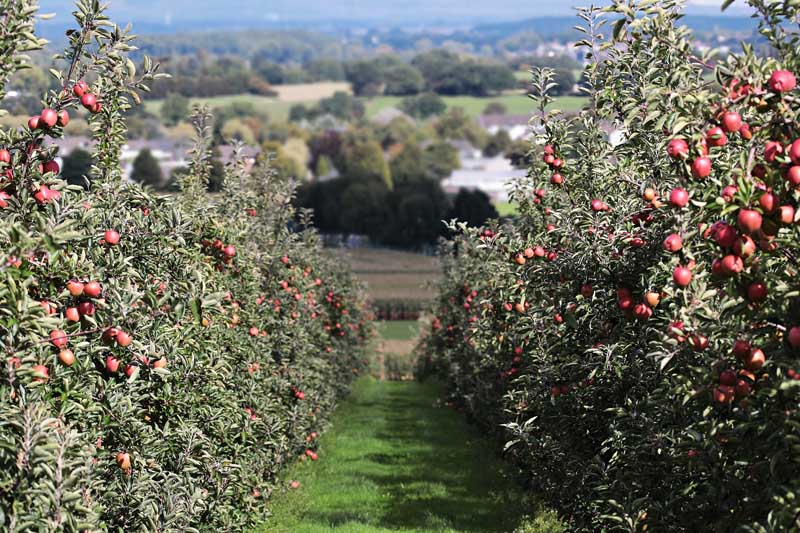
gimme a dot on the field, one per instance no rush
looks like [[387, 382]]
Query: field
[[390, 274], [277, 108], [516, 104], [506, 209]]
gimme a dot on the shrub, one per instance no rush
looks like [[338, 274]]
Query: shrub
[[635, 345], [164, 357]]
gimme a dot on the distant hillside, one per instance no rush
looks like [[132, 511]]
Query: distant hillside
[[549, 26]]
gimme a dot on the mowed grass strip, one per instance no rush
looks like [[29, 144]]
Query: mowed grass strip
[[396, 460], [398, 330]]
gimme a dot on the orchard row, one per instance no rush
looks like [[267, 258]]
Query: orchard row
[[634, 336]]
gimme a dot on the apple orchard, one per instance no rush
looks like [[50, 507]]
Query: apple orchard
[[164, 358], [633, 337]]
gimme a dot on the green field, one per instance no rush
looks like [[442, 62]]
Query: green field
[[506, 209], [398, 330], [396, 460], [516, 104], [278, 109]]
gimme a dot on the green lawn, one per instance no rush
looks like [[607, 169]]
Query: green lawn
[[506, 209], [397, 461], [277, 110], [398, 330]]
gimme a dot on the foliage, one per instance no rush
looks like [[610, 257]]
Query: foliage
[[174, 109], [636, 347], [165, 357], [77, 167], [146, 170], [472, 207], [423, 105]]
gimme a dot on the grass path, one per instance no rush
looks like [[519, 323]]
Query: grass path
[[396, 461]]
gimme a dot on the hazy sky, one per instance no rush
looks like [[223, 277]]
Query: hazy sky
[[382, 11]]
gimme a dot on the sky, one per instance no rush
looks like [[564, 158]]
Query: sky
[[378, 11]]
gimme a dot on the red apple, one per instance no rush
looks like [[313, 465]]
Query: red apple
[[111, 237], [744, 247], [112, 364], [677, 149], [794, 337], [679, 197], [86, 308], [58, 338], [731, 265], [731, 122], [716, 137], [728, 377], [72, 314], [772, 149], [701, 167], [682, 276], [89, 101], [66, 357], [75, 288], [41, 373], [786, 214], [769, 202], [80, 88], [749, 220], [757, 291], [124, 339], [92, 289], [673, 243], [794, 152], [782, 81], [741, 349], [63, 118], [48, 118], [755, 360]]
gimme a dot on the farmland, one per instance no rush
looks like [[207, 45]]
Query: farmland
[[277, 108]]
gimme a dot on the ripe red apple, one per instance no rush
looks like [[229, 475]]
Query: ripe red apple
[[794, 337], [111, 237], [679, 197], [160, 363], [229, 251], [124, 461], [673, 243], [112, 364], [728, 377], [642, 311], [701, 167], [677, 149], [741, 348], [786, 214], [794, 152], [556, 179], [33, 123], [75, 288], [58, 338], [86, 308], [743, 388], [253, 331], [716, 137], [698, 342], [4, 196], [731, 122], [48, 118], [729, 192], [41, 373], [5, 156], [92, 289], [755, 360], [72, 314], [782, 81], [769, 202], [66, 357], [652, 298], [596, 205], [293, 484], [63, 118], [757, 291], [124, 339], [744, 247], [749, 220], [89, 101], [723, 394], [731, 265], [587, 290], [772, 149], [682, 276], [51, 166], [724, 234], [80, 88]]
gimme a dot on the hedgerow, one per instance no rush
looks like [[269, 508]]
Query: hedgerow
[[164, 357], [633, 336]]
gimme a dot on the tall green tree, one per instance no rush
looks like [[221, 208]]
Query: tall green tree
[[146, 170], [76, 167]]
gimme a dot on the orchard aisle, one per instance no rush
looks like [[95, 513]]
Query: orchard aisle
[[396, 460]]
